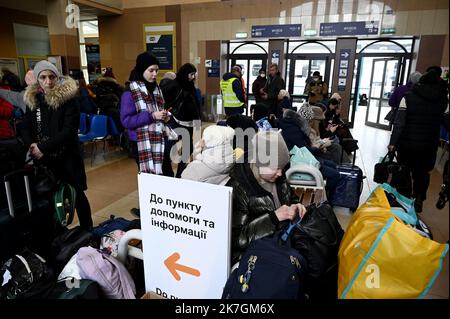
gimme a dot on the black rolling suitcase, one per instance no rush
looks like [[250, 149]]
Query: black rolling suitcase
[[350, 186], [24, 222]]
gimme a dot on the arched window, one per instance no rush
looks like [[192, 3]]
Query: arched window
[[311, 47], [249, 48], [385, 46]]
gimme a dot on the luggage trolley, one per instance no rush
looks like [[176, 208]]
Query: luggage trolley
[[307, 183]]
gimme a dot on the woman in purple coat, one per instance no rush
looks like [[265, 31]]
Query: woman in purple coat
[[142, 113]]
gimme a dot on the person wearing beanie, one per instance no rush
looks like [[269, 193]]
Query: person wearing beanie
[[336, 96], [316, 89], [399, 93], [305, 111], [166, 79], [107, 93], [214, 157], [330, 149], [416, 132], [50, 130], [180, 96], [258, 86], [261, 196], [296, 132], [332, 119], [284, 103], [142, 113], [44, 65], [109, 73]]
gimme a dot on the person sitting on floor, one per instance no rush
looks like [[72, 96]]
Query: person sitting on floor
[[261, 196], [213, 155], [260, 116]]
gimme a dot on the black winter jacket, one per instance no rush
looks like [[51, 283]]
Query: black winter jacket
[[60, 120], [253, 209], [417, 126], [182, 100]]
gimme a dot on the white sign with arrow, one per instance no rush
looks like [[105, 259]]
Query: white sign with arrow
[[345, 55], [186, 236]]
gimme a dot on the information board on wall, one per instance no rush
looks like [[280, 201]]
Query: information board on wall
[[160, 40], [186, 229], [277, 30], [349, 28]]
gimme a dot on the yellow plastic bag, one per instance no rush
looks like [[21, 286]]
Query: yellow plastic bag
[[382, 257]]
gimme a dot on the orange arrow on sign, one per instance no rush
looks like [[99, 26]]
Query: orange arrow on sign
[[171, 264]]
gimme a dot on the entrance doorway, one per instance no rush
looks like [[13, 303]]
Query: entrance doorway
[[303, 67], [251, 56], [383, 81], [380, 66], [304, 58], [250, 69]]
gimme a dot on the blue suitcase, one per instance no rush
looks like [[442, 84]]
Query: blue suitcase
[[350, 186]]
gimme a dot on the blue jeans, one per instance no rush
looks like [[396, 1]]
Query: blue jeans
[[330, 173]]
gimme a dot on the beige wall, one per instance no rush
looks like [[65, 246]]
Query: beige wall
[[121, 38], [63, 40], [7, 18], [214, 21], [127, 4]]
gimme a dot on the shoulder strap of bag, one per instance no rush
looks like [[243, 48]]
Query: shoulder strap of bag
[[291, 226], [64, 201]]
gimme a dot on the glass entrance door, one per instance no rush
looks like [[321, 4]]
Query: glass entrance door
[[384, 79], [250, 70], [300, 72]]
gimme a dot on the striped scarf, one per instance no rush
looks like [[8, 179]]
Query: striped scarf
[[150, 138]]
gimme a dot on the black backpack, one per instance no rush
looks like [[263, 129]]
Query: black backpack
[[23, 274], [269, 269], [317, 237], [68, 243]]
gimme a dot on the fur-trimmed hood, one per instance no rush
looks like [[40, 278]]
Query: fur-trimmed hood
[[63, 91], [107, 79]]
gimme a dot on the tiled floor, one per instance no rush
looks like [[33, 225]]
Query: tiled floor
[[113, 190]]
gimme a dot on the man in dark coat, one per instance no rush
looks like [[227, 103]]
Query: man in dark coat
[[416, 130], [273, 86]]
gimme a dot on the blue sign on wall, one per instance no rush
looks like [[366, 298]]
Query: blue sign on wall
[[272, 31], [215, 63], [161, 46], [349, 28], [344, 56], [213, 72]]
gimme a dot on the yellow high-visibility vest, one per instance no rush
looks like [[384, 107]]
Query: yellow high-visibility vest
[[229, 98]]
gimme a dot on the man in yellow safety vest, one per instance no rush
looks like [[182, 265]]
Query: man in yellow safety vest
[[233, 96]]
